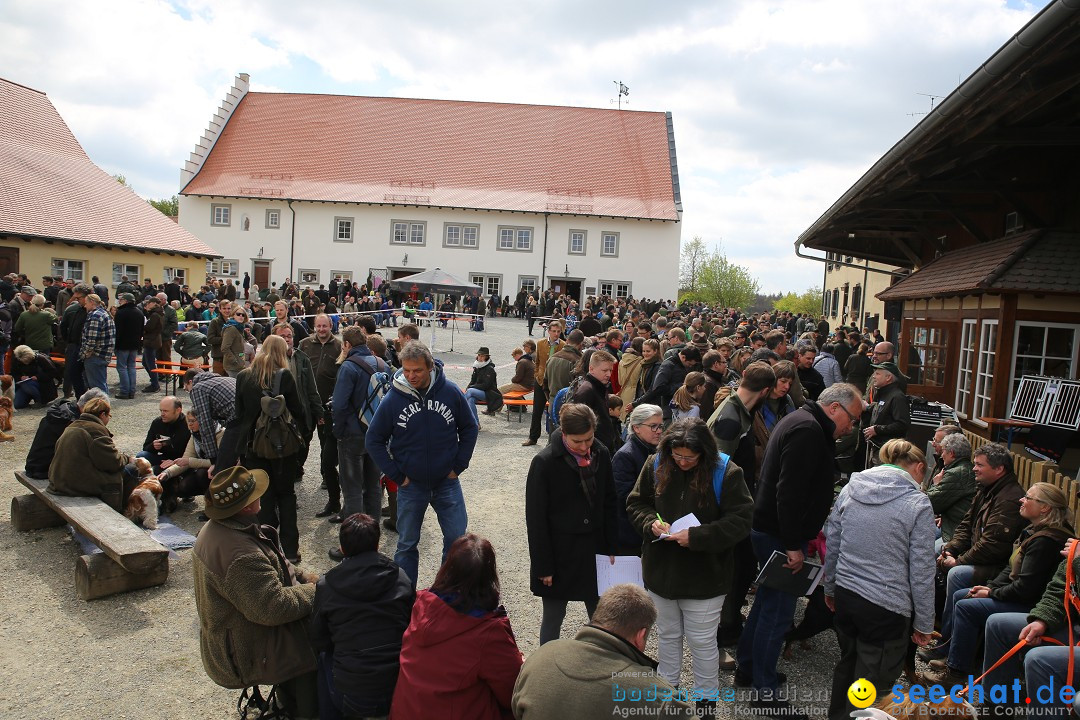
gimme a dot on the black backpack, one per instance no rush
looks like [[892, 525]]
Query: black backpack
[[276, 435]]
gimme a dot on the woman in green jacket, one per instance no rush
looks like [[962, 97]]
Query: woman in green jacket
[[687, 573], [35, 326]]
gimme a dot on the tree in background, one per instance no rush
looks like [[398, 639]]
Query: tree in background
[[170, 206], [721, 282], [694, 254], [809, 301]]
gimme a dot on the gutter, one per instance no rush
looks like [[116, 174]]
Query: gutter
[[867, 268], [543, 261], [292, 238], [1030, 36]]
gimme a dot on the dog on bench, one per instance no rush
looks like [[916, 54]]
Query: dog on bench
[[142, 504]]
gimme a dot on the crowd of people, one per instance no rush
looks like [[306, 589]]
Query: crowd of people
[[703, 441]]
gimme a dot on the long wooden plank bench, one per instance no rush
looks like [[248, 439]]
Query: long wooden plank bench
[[130, 559]]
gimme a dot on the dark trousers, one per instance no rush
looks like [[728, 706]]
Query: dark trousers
[[731, 621], [335, 703], [229, 447], [73, 371], [279, 500], [328, 462], [539, 403], [554, 613], [873, 643]]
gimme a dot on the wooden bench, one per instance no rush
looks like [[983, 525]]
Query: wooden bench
[[517, 399], [130, 559]]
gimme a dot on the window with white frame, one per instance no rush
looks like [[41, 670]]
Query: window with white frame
[[607, 289], [309, 277], [986, 365], [494, 285], [528, 284], [177, 274], [133, 272], [408, 232], [614, 289], [609, 244], [220, 215], [515, 238], [74, 269], [459, 235], [343, 229], [1043, 349], [577, 242], [965, 375], [230, 268], [273, 219], [622, 290], [344, 276]]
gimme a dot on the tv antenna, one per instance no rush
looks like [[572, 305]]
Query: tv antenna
[[933, 101], [623, 91]]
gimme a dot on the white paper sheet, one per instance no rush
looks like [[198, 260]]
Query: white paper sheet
[[627, 569], [686, 521]]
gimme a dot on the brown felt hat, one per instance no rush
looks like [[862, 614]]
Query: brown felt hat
[[232, 490]]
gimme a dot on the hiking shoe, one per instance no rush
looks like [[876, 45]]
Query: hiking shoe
[[937, 652], [946, 678], [335, 554], [328, 510]]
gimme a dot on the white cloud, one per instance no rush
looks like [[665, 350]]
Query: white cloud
[[778, 105]]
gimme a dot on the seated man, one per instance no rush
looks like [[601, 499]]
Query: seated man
[[253, 604], [951, 490], [86, 462], [49, 430], [524, 379], [607, 657], [188, 475], [1042, 664], [168, 434], [362, 608]]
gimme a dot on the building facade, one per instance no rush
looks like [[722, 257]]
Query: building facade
[[577, 200], [851, 288]]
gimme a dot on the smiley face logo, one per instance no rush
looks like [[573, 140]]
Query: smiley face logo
[[862, 693]]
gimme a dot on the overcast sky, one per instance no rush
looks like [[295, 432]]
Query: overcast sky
[[779, 106]]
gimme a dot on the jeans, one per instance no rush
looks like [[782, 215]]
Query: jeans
[[474, 395], [770, 617], [413, 500], [968, 618], [1040, 664], [959, 580], [26, 392], [155, 459], [336, 705], [125, 368], [696, 620], [149, 363], [553, 615], [96, 369], [73, 370], [359, 479]]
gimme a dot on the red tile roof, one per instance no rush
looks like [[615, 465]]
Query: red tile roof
[[1034, 262], [497, 156], [51, 189]]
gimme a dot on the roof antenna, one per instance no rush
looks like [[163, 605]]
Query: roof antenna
[[623, 90], [933, 99]]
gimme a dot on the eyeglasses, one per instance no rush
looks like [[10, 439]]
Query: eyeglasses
[[1035, 499], [854, 418], [878, 352], [655, 427], [685, 458]]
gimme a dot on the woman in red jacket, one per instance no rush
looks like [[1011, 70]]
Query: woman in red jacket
[[459, 658]]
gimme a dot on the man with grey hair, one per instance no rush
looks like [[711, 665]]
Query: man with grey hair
[[794, 495], [952, 489], [602, 668], [426, 419], [71, 328], [98, 343], [983, 541], [939, 433], [59, 415], [890, 416]]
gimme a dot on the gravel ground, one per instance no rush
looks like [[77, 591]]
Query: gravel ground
[[139, 652]]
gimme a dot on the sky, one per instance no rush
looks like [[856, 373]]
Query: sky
[[778, 105]]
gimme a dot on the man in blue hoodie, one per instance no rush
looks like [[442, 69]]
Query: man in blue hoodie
[[422, 437]]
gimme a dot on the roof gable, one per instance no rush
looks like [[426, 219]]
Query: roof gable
[[52, 190], [493, 156]]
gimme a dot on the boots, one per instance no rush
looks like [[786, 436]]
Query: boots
[[390, 523]]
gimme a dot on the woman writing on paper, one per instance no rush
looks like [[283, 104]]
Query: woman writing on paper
[[688, 573], [569, 516], [879, 571]]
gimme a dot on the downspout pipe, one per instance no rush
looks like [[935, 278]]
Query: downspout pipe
[[543, 262], [292, 239]]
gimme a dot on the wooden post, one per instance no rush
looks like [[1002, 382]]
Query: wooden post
[[98, 576], [29, 512]]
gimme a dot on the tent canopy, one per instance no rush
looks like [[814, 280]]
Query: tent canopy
[[436, 280]]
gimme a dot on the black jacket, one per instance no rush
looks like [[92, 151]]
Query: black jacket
[[485, 378], [890, 414], [1039, 557], [593, 393], [567, 525], [795, 485], [812, 382], [177, 432], [626, 465], [669, 378], [49, 430], [129, 327], [362, 608]]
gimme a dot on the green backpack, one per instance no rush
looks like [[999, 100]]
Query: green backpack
[[276, 435]]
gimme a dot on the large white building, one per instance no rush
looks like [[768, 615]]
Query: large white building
[[580, 200]]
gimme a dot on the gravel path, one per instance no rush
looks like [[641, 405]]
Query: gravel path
[[136, 655]]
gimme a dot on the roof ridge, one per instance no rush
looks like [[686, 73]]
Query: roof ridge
[[24, 87], [458, 102]]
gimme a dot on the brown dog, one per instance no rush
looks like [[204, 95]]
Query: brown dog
[[142, 504], [7, 386], [7, 411]]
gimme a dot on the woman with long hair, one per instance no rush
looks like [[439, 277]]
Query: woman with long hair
[[650, 365], [1017, 588], [630, 370], [459, 655], [232, 342], [569, 516], [686, 403], [687, 573], [879, 570], [270, 367]]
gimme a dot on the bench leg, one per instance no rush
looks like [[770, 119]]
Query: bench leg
[[29, 512], [98, 576]]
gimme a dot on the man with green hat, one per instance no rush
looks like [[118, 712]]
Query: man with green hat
[[890, 415], [253, 605]]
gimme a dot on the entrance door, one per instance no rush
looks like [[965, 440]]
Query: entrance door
[[9, 260], [566, 286], [262, 273]]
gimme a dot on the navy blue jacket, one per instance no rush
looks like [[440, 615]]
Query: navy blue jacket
[[626, 465], [423, 436], [350, 394]]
